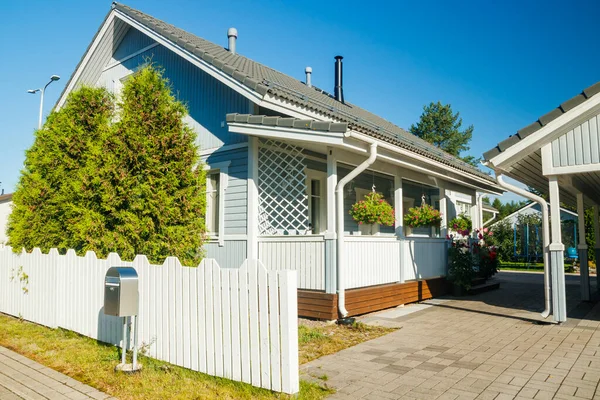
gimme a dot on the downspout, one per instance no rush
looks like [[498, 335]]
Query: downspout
[[339, 197], [545, 229]]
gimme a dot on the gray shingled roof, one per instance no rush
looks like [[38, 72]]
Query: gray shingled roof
[[263, 80], [542, 121], [288, 122]]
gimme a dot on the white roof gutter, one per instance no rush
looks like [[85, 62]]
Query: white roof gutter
[[428, 171]]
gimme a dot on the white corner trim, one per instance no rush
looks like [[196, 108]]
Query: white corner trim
[[253, 201], [547, 159], [86, 59], [547, 133], [223, 168]]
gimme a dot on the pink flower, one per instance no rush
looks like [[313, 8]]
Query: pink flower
[[490, 233], [485, 230]]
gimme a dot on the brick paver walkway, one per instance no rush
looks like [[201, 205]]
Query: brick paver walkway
[[22, 378], [483, 347]]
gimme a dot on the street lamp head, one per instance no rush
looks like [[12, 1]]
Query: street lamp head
[[33, 91], [54, 77]]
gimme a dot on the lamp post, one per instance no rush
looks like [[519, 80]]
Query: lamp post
[[34, 91]]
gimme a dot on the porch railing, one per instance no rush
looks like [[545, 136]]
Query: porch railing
[[370, 260], [424, 258]]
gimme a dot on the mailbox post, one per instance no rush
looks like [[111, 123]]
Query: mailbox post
[[121, 299]]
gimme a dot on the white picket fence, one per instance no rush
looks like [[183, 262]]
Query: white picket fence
[[240, 324]]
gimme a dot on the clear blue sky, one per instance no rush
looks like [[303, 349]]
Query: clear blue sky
[[501, 64]]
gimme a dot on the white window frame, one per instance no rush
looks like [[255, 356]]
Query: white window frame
[[223, 169], [321, 176], [459, 207]]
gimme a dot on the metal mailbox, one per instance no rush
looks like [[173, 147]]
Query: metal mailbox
[[121, 292]]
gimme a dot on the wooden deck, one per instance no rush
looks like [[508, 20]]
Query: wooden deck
[[321, 305]]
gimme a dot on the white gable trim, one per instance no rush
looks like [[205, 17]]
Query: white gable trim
[[546, 134]]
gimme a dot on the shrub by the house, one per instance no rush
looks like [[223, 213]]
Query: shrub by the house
[[132, 186]]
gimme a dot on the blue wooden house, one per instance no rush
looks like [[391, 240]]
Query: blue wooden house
[[286, 160]]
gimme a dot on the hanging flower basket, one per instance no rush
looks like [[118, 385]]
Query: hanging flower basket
[[373, 210], [425, 215]]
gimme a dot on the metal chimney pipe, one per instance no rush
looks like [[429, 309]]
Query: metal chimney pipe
[[338, 91], [232, 35], [308, 71]]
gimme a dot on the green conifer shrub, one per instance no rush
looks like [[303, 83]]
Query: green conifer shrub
[[131, 184]]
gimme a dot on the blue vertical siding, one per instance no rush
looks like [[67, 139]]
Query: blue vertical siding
[[207, 99], [133, 41]]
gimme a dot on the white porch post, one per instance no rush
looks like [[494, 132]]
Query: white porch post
[[399, 216], [480, 210], [584, 272], [444, 212], [330, 234], [557, 266], [253, 232], [474, 212], [398, 205], [597, 244]]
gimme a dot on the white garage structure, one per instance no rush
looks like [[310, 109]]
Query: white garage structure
[[558, 155]]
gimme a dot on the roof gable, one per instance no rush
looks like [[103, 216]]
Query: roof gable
[[261, 81]]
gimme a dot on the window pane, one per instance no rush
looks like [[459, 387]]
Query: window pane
[[315, 187], [315, 214]]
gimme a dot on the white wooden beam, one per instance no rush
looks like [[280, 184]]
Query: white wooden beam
[[331, 184], [559, 303], [444, 212], [398, 204]]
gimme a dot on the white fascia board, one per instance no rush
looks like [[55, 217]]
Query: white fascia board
[[546, 134], [282, 133], [485, 185], [86, 59], [421, 174], [198, 62]]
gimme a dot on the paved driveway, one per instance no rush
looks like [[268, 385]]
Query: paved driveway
[[489, 346]]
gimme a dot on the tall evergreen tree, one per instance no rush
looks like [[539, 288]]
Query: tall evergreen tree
[[46, 199], [440, 126], [134, 186]]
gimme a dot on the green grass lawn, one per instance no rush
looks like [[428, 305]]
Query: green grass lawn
[[93, 363]]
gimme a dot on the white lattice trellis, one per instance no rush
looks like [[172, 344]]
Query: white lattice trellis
[[283, 203]]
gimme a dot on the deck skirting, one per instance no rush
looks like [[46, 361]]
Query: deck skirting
[[321, 305]]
